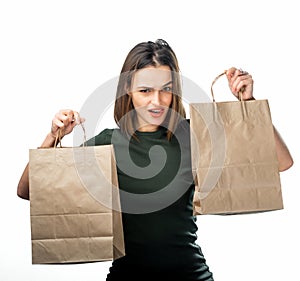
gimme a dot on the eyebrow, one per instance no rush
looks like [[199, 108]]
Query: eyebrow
[[168, 83]]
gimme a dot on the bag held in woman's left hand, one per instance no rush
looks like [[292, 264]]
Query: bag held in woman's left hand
[[234, 158]]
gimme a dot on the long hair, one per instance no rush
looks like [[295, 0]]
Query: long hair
[[145, 54]]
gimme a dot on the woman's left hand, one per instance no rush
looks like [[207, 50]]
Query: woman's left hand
[[240, 80]]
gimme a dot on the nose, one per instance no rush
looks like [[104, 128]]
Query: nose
[[156, 97]]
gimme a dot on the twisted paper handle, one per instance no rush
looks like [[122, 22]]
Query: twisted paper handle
[[59, 136], [211, 88]]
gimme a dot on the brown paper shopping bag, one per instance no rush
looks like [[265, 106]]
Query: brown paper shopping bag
[[233, 157], [74, 205]]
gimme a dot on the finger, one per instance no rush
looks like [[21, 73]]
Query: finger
[[78, 120], [246, 87], [241, 86], [239, 82], [61, 119], [66, 116], [57, 124], [233, 75], [230, 72], [66, 120], [237, 73]]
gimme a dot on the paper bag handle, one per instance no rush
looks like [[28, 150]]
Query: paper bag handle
[[59, 136], [211, 88]]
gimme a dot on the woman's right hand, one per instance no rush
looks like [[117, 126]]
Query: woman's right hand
[[65, 120]]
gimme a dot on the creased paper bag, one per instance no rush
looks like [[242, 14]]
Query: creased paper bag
[[74, 205], [233, 158]]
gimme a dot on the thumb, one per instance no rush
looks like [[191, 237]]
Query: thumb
[[77, 119]]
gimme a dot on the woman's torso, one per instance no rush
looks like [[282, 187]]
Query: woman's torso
[[156, 191]]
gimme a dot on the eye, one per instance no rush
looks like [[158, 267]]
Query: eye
[[145, 90], [167, 89]]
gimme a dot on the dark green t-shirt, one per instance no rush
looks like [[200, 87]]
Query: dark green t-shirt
[[156, 191]]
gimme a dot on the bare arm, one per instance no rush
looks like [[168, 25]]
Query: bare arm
[[285, 160], [65, 120], [23, 186]]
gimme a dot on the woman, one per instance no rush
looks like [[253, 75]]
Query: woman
[[152, 149]]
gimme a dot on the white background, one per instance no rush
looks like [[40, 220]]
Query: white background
[[54, 54]]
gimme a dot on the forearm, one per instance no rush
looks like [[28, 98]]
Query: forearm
[[23, 186], [285, 160], [49, 141]]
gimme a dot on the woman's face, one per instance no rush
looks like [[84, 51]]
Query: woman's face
[[151, 93]]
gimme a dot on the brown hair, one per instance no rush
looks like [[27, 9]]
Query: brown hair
[[145, 54]]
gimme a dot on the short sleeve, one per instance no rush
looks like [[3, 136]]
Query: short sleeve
[[103, 138]]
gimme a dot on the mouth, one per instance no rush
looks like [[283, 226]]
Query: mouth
[[156, 112]]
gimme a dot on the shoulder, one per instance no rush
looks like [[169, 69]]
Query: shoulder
[[184, 125], [103, 138]]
